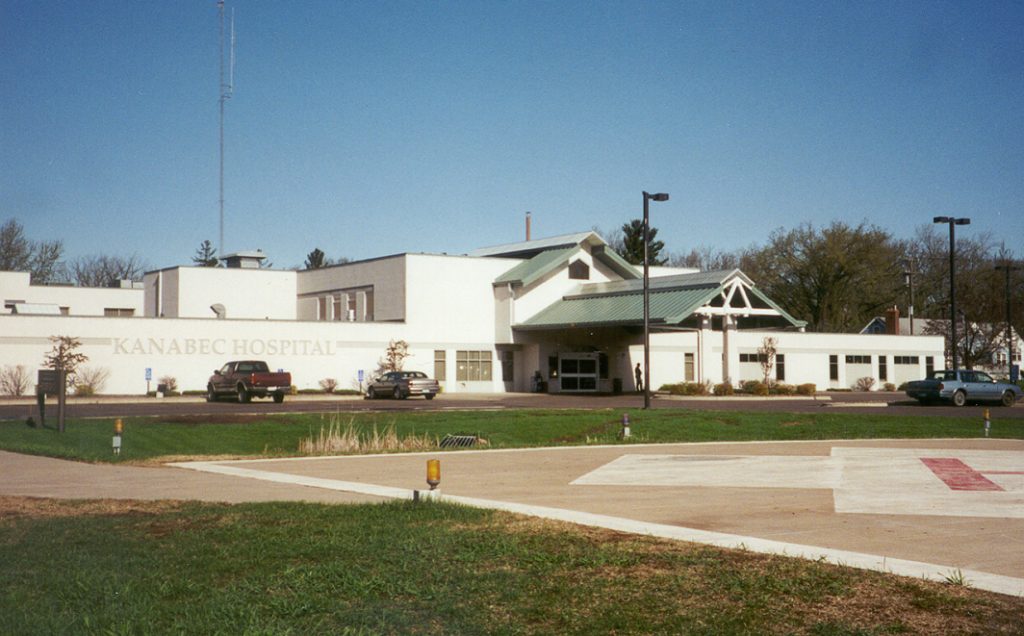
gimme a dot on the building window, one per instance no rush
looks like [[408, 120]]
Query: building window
[[909, 360], [351, 315], [602, 366], [473, 366], [929, 365], [508, 368], [780, 367], [753, 357], [337, 307], [118, 312], [440, 373], [858, 359], [552, 366], [883, 369], [369, 305], [833, 368], [321, 308], [578, 270], [688, 374]]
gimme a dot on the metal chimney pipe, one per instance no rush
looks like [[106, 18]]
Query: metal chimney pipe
[[527, 226]]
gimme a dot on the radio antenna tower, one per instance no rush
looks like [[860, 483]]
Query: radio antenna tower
[[226, 90]]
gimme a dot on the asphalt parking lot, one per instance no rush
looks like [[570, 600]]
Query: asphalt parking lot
[[134, 406]]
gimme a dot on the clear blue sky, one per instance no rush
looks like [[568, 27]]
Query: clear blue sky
[[369, 128]]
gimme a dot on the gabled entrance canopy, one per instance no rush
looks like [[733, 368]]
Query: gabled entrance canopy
[[674, 300]]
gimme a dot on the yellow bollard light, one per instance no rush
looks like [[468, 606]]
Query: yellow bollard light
[[433, 473], [118, 429]]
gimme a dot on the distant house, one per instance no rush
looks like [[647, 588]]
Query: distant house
[[995, 352]]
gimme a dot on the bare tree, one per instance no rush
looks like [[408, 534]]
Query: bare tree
[[766, 355], [103, 270], [14, 380], [706, 259], [394, 357], [64, 358], [18, 254]]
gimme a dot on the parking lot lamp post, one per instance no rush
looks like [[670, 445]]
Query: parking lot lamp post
[[1008, 268], [660, 196], [908, 276], [952, 221]]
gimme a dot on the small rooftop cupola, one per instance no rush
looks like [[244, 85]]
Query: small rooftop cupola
[[244, 260]]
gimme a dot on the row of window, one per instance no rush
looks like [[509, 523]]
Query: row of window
[[345, 306], [883, 365], [780, 363]]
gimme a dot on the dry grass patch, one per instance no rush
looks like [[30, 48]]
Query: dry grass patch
[[338, 439], [20, 507]]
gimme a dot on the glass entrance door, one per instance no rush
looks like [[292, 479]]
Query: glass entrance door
[[578, 372]]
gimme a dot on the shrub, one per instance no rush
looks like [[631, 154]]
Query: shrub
[[755, 387], [724, 388], [903, 386], [808, 388], [782, 389], [685, 388], [90, 380], [14, 380], [328, 385], [890, 387], [171, 382], [865, 384]]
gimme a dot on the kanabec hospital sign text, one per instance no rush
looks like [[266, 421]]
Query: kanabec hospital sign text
[[235, 347]]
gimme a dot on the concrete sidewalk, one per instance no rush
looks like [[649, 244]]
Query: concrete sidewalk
[[913, 507]]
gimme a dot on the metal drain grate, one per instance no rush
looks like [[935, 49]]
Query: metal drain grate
[[459, 441]]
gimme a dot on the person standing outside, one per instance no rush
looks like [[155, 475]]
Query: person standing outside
[[638, 372]]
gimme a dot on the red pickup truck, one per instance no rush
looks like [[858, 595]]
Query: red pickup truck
[[247, 379]]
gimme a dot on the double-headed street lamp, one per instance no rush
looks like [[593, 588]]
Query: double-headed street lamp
[[1008, 268], [660, 196], [952, 273]]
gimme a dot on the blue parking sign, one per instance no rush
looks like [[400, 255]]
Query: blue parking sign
[[149, 374]]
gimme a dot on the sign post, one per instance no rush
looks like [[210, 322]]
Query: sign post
[[47, 383], [360, 380], [149, 377]]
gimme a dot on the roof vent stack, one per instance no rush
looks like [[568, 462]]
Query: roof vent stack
[[527, 226]]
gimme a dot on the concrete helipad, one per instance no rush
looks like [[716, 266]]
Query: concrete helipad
[[915, 507]]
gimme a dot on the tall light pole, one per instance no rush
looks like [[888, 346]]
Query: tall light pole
[[952, 221], [908, 277], [1008, 268], [660, 196]]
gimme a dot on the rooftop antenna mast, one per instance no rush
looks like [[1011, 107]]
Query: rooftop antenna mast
[[226, 90]]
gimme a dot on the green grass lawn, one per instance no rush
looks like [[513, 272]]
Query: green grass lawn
[[105, 567], [237, 435]]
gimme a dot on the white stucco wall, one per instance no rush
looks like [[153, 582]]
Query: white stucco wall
[[188, 292], [190, 349], [80, 301]]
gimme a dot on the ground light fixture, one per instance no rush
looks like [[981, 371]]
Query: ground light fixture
[[952, 221], [659, 196], [433, 473]]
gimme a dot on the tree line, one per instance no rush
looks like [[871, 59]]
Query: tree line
[[44, 260], [836, 277]]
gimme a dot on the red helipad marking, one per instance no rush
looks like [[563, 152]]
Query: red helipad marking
[[958, 475]]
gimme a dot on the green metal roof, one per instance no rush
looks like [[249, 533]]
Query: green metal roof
[[547, 261], [530, 270], [666, 307], [673, 299]]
